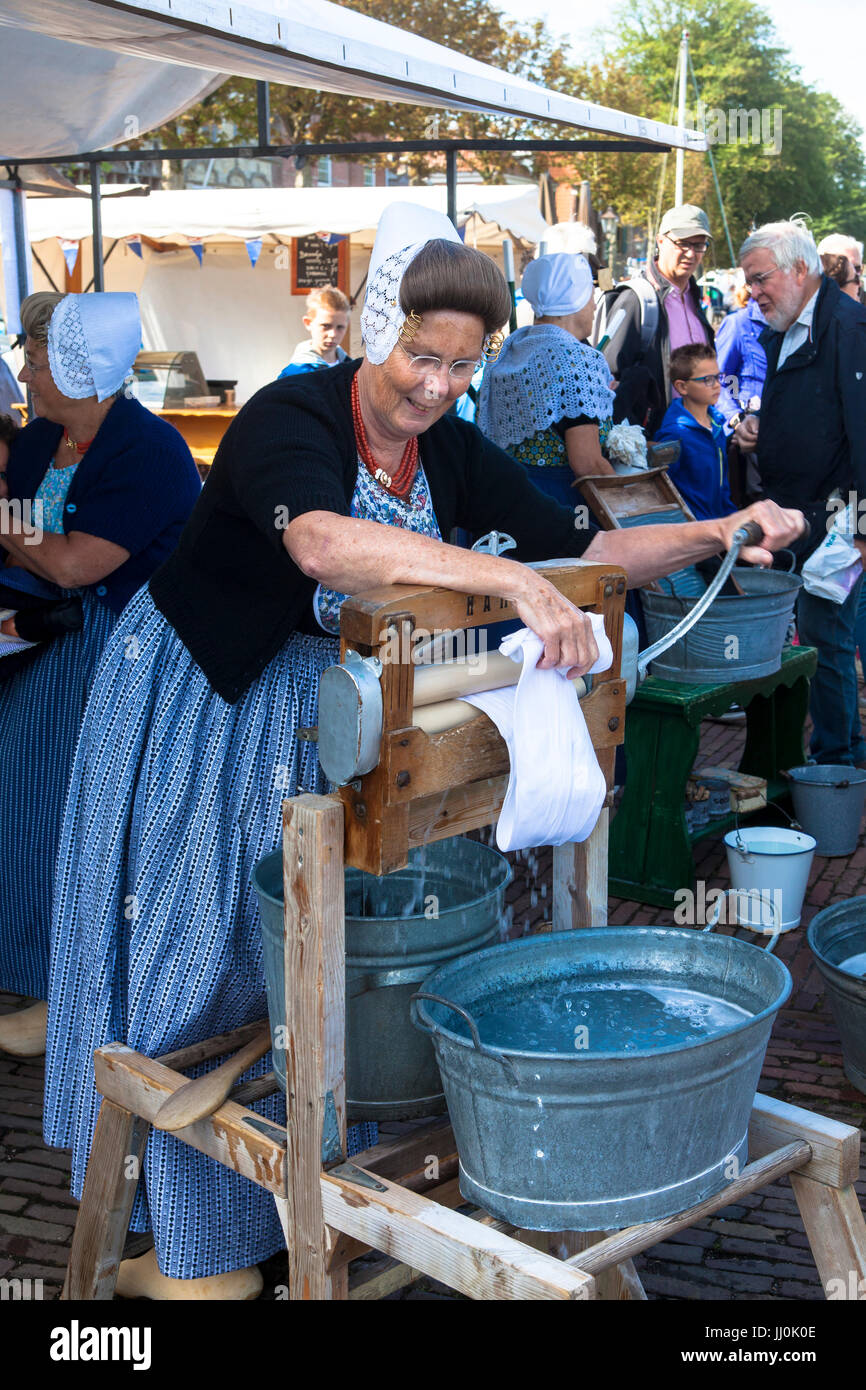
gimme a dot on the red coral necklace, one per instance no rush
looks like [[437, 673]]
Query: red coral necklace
[[400, 483], [76, 445]]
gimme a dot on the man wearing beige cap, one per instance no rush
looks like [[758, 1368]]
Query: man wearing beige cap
[[662, 312]]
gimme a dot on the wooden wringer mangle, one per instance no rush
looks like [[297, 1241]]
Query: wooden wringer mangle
[[411, 777]]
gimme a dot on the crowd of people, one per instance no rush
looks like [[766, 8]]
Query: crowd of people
[[150, 733]]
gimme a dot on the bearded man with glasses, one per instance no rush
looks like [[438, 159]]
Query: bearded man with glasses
[[662, 312], [810, 439]]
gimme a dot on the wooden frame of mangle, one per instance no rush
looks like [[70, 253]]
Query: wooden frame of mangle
[[400, 1197]]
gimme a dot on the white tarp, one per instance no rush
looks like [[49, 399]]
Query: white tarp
[[242, 321], [241, 213], [61, 99], [306, 43]]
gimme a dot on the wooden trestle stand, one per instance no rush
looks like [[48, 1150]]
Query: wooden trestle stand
[[400, 1197]]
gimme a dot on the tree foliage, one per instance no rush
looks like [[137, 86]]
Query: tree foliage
[[739, 66]]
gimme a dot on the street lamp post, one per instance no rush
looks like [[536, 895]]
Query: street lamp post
[[610, 221]]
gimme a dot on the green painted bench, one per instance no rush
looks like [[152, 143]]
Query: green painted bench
[[650, 854]]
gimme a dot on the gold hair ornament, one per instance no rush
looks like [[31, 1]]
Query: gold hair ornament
[[409, 328], [493, 346]]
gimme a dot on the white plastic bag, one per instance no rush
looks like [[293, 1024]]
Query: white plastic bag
[[833, 569]]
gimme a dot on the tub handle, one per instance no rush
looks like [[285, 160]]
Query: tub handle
[[380, 979], [716, 913], [473, 1029]]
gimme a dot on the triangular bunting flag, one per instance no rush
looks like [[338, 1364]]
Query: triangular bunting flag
[[196, 247], [70, 253], [134, 244], [254, 249]]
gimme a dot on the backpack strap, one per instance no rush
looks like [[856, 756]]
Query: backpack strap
[[649, 310]]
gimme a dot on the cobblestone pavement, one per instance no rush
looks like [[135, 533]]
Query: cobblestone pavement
[[754, 1250]]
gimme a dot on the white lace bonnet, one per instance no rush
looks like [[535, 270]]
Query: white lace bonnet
[[558, 284], [93, 340], [403, 229]]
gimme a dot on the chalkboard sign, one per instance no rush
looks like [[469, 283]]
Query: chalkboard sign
[[318, 261]]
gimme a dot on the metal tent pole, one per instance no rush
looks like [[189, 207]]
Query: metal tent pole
[[451, 180], [96, 208], [263, 113]]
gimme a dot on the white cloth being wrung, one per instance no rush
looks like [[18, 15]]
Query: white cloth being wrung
[[556, 788]]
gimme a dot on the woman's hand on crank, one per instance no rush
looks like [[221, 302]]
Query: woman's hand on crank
[[565, 630], [780, 525]]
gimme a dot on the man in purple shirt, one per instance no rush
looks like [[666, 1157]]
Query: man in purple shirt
[[661, 314]]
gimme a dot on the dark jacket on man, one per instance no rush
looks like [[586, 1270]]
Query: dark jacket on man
[[812, 432], [625, 352]]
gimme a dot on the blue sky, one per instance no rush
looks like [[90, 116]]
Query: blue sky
[[830, 54]]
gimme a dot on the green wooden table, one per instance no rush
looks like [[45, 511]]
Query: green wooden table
[[650, 848]]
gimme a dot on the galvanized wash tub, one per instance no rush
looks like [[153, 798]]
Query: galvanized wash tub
[[758, 619], [449, 900], [645, 1125], [837, 937]]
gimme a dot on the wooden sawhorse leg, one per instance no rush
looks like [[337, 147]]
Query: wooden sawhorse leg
[[315, 1031], [580, 880], [112, 1177]]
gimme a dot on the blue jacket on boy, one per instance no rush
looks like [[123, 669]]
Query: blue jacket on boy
[[701, 471]]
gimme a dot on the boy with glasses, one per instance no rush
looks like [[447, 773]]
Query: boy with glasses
[[663, 313], [701, 471]]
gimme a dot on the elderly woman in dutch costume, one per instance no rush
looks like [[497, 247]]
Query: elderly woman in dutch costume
[[107, 488], [547, 398], [324, 485]]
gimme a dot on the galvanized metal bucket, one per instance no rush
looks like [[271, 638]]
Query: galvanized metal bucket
[[837, 937], [739, 638], [828, 803], [583, 1140], [399, 928]]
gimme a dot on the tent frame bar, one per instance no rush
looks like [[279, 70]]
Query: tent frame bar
[[357, 148], [351, 148]]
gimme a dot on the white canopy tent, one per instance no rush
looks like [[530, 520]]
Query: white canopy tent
[[243, 321], [301, 43], [282, 212], [60, 49]]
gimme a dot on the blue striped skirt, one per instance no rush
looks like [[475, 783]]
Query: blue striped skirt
[[41, 708], [174, 797]]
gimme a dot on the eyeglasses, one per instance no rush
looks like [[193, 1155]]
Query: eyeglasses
[[463, 369], [709, 380], [698, 247], [761, 277]]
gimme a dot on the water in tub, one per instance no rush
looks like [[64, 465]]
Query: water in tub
[[609, 1018]]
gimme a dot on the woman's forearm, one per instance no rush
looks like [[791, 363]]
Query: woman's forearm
[[39, 553], [648, 552], [69, 561], [351, 555], [584, 451]]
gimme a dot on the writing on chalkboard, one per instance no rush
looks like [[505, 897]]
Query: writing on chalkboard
[[319, 260]]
